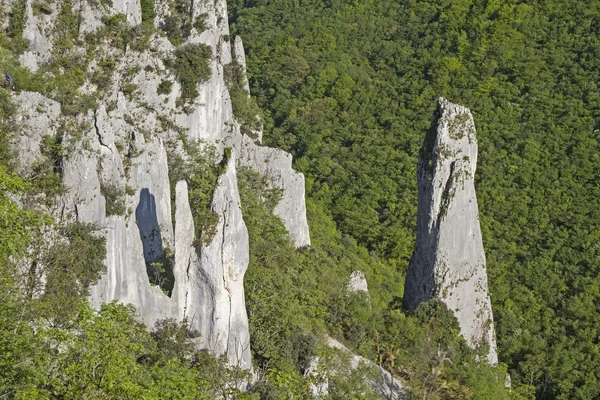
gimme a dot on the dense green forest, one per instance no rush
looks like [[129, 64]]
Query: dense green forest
[[349, 87]]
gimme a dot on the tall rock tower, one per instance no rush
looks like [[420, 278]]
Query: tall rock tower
[[449, 261]]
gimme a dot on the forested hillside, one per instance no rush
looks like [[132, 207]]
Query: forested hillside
[[54, 345], [349, 88]]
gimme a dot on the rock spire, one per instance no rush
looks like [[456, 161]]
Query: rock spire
[[449, 260]]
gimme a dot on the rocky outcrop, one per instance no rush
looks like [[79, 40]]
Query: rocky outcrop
[[38, 117], [449, 260], [381, 381], [276, 166], [116, 169], [219, 304], [358, 283], [239, 57]]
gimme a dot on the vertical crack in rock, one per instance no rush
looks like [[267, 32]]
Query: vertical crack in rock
[[187, 289], [449, 260], [97, 129], [225, 276], [447, 194]]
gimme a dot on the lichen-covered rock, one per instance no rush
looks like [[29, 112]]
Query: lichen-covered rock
[[358, 282], [449, 260], [37, 117], [222, 319]]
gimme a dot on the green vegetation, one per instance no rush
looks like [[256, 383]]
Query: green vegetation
[[47, 170], [147, 12], [349, 88], [165, 87], [295, 298], [245, 108], [191, 66], [41, 7], [53, 344], [115, 198], [162, 271], [178, 24], [105, 353], [201, 23], [16, 23], [198, 168]]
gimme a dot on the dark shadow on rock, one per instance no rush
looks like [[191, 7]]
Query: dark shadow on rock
[[159, 261]]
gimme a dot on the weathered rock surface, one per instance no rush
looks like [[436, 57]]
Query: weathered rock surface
[[276, 166], [384, 384], [449, 260], [240, 58], [37, 117], [209, 288], [222, 318], [116, 171], [358, 283]]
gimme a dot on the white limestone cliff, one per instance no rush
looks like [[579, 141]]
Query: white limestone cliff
[[449, 260], [123, 146]]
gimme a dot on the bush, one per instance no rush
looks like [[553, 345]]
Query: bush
[[47, 170], [165, 87], [41, 7], [191, 66], [160, 271], [128, 88], [115, 198], [16, 19], [200, 24], [147, 11], [178, 25], [63, 267]]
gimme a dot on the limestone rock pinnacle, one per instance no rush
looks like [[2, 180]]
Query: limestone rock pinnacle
[[449, 260]]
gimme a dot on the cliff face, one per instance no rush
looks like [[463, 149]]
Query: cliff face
[[116, 169], [449, 260]]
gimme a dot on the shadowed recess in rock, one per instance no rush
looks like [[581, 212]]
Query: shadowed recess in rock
[[159, 260]]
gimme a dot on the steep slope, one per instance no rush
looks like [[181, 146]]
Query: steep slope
[[449, 261], [156, 103]]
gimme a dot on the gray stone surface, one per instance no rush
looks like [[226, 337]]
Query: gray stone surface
[[125, 144], [276, 166], [131, 8], [358, 282], [224, 258], [240, 58], [386, 385], [36, 30], [37, 117], [449, 260]]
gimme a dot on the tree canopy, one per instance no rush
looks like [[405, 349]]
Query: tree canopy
[[349, 88]]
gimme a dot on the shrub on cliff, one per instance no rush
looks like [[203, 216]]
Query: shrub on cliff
[[191, 66]]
